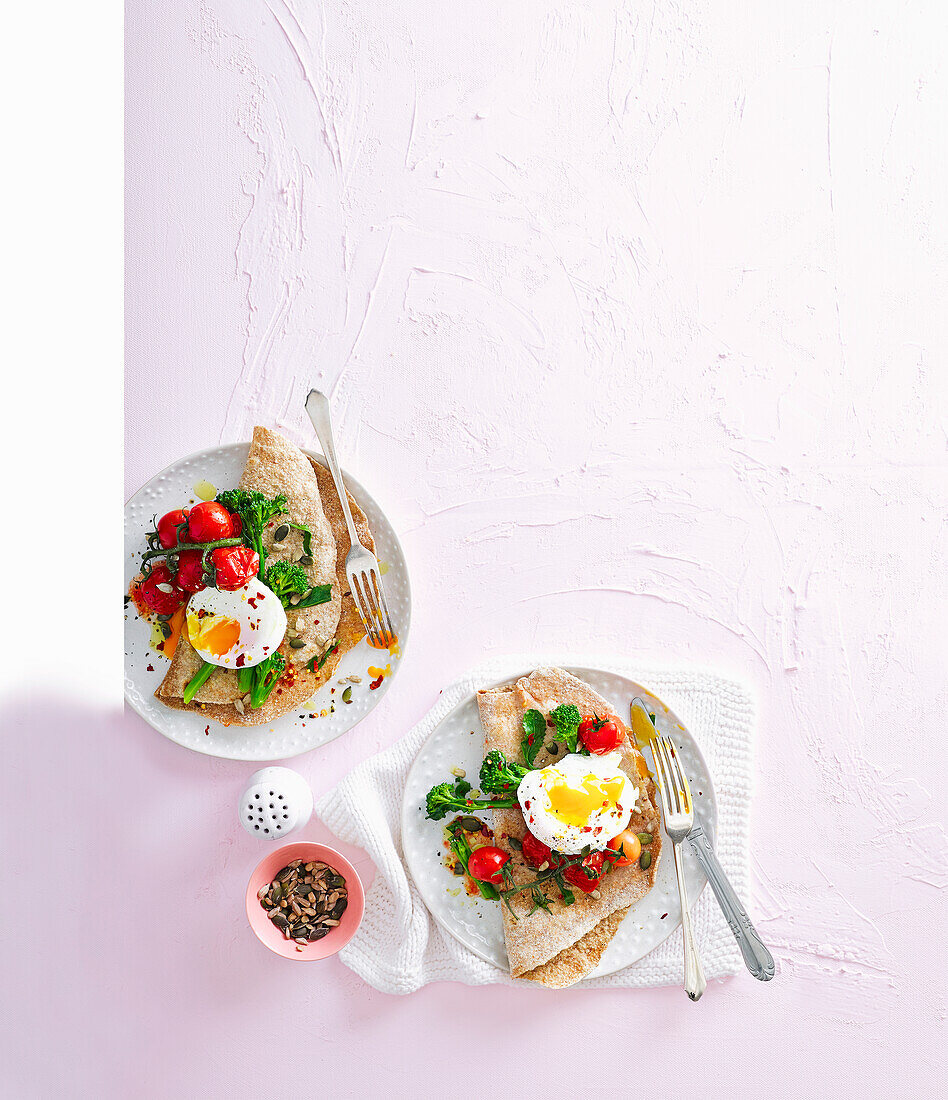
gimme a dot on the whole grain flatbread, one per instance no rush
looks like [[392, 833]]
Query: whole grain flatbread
[[300, 684], [561, 947]]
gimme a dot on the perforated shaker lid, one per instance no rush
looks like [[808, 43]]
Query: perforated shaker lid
[[276, 801]]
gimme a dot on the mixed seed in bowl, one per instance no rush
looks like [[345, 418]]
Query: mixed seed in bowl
[[305, 901]]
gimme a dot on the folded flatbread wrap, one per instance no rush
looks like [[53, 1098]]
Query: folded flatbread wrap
[[276, 466], [563, 946]]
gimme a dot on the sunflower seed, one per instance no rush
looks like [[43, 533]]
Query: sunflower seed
[[239, 706], [595, 894], [300, 622], [294, 600], [166, 588], [262, 892]]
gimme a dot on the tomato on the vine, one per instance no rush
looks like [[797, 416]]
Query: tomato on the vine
[[210, 521], [234, 566], [168, 527], [577, 874], [160, 593], [534, 851], [485, 864], [600, 735], [190, 575], [628, 846]]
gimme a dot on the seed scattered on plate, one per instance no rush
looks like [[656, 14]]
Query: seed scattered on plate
[[305, 901]]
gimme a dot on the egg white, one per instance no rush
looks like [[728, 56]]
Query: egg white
[[258, 613], [600, 826]]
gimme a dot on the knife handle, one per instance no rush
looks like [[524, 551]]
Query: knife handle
[[757, 958]]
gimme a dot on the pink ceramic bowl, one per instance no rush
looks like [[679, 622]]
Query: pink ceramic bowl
[[264, 928]]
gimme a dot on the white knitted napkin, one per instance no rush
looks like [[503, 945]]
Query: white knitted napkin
[[399, 946]]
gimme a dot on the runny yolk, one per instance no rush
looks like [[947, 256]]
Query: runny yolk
[[216, 634], [576, 805]]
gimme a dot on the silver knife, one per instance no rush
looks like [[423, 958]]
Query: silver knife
[[757, 958]]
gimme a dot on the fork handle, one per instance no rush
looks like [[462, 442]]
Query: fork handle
[[757, 958], [695, 983], [317, 407]]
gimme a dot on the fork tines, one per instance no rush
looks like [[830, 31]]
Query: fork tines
[[371, 605], [674, 783]]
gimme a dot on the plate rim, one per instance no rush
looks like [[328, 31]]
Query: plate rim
[[351, 481], [574, 670]]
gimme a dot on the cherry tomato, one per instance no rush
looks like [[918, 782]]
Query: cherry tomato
[[160, 593], [234, 566], [190, 574], [485, 864], [630, 847], [577, 873], [168, 527], [209, 521], [535, 852], [600, 735]]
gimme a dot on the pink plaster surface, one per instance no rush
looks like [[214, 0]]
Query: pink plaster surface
[[633, 320]]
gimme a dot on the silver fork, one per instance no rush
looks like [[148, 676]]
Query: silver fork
[[362, 567], [678, 811]]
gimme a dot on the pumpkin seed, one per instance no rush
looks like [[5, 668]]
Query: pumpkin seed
[[296, 643], [166, 630], [306, 560], [644, 838], [347, 695], [515, 843], [471, 824], [281, 532], [645, 860], [553, 747], [458, 869]]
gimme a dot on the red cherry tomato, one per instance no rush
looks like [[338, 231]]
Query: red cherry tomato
[[485, 864], [168, 527], [190, 574], [209, 521], [628, 845], [234, 566], [535, 852], [160, 593], [580, 879], [600, 735]]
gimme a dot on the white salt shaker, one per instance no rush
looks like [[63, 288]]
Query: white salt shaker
[[276, 801]]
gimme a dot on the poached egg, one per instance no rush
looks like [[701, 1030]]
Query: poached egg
[[236, 629], [579, 800]]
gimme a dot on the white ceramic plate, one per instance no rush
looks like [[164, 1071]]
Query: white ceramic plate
[[458, 741], [291, 734]]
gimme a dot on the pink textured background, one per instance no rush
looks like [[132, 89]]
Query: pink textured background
[[633, 318]]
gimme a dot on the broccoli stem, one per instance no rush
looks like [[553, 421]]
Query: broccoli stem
[[463, 851], [173, 551], [194, 685]]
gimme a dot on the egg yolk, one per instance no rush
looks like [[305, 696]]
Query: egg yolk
[[576, 805], [215, 634]]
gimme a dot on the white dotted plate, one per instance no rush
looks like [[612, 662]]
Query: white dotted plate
[[458, 742], [291, 734]]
